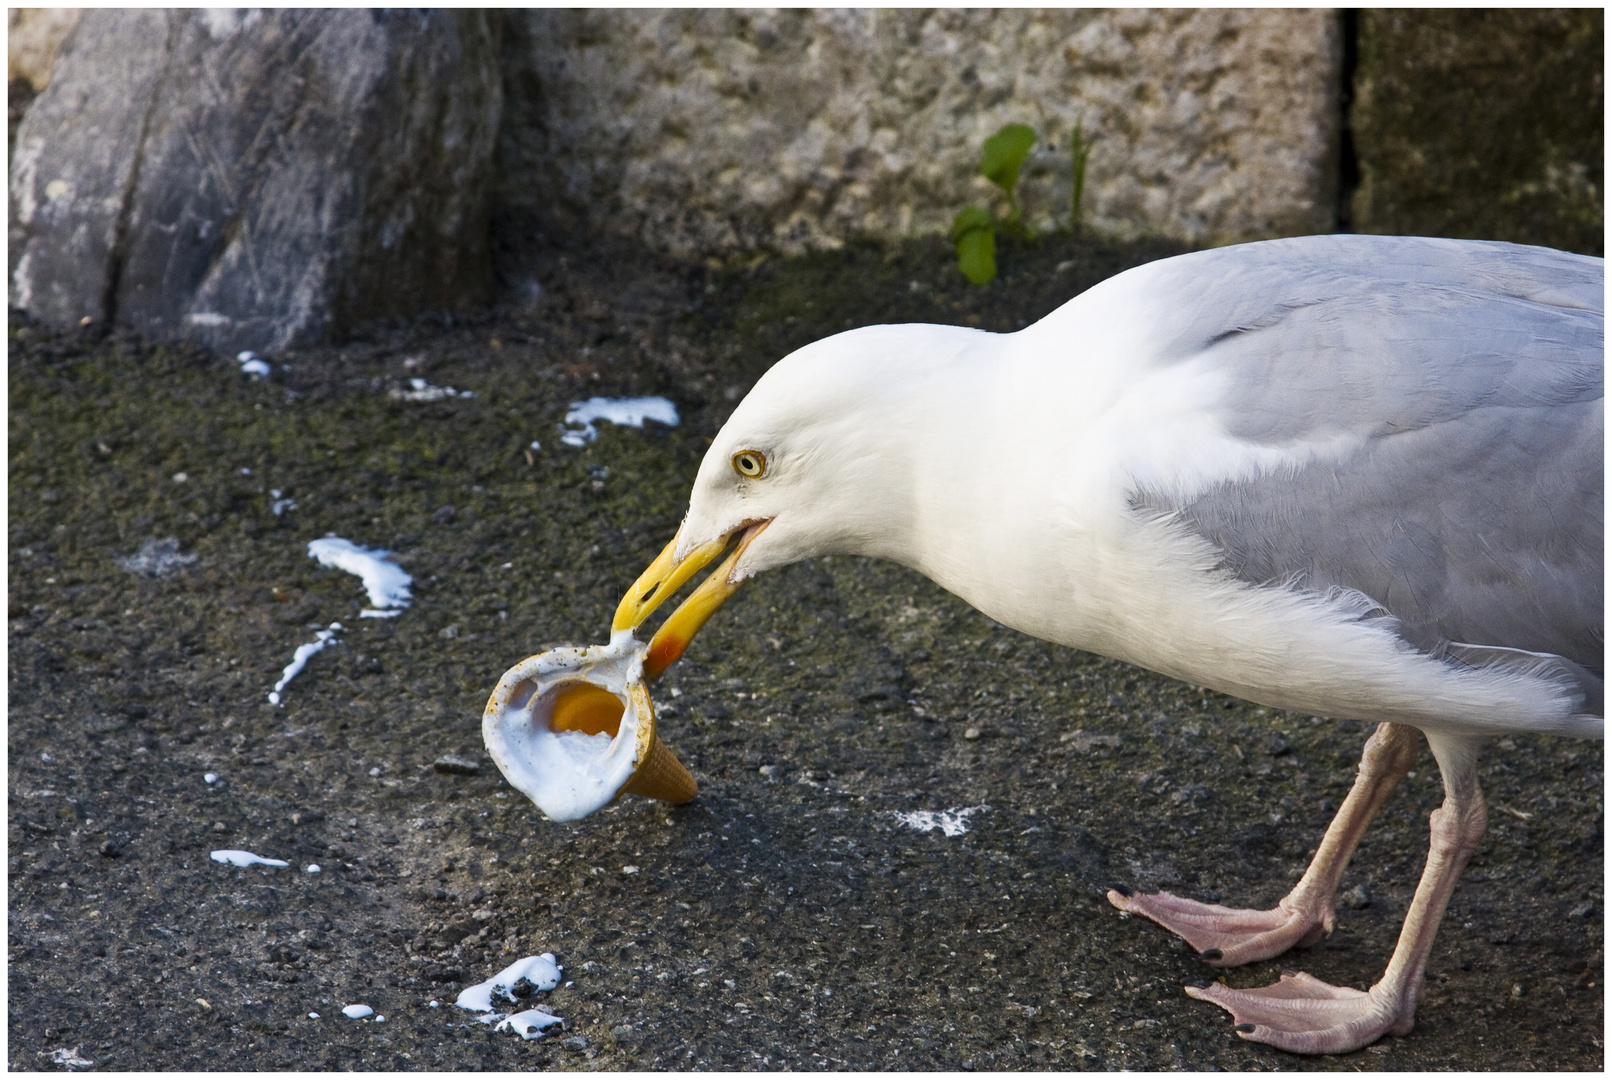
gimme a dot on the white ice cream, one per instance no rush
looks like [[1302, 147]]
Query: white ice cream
[[567, 774], [950, 822], [628, 412], [245, 858], [386, 582], [530, 1024], [541, 971], [299, 659]]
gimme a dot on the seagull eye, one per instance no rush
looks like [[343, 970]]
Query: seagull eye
[[751, 464]]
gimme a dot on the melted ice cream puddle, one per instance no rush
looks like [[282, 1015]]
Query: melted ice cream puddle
[[246, 858], [386, 582], [299, 659], [950, 822], [627, 412]]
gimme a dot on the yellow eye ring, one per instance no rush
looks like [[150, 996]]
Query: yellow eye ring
[[750, 464]]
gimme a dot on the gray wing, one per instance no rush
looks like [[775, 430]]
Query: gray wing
[[1473, 373]]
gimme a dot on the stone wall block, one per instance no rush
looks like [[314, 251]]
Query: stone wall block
[[704, 130], [1482, 123], [281, 175]]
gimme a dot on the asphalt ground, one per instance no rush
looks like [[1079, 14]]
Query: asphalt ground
[[786, 919]]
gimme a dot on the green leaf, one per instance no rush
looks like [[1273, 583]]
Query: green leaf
[[1079, 151], [967, 220], [976, 255], [1004, 153]]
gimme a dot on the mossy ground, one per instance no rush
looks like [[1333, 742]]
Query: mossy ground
[[783, 920]]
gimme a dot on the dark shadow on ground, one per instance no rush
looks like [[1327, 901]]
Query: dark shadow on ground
[[786, 919]]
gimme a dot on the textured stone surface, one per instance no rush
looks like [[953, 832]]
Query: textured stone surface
[[1482, 124], [254, 179], [702, 130], [33, 37]]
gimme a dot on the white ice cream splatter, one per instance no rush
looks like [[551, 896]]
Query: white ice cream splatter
[[528, 1025], [357, 1012], [541, 971], [420, 390], [70, 1058], [386, 582], [209, 777], [157, 558], [279, 505], [245, 858], [250, 364], [950, 822], [315, 868], [628, 412], [299, 659]]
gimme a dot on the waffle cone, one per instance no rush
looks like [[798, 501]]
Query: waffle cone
[[662, 777]]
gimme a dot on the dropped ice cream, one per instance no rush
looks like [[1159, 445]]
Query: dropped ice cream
[[357, 1012], [627, 412], [245, 858], [386, 582], [420, 390], [541, 971], [299, 659], [157, 558], [530, 1024], [950, 822], [72, 1059], [251, 364]]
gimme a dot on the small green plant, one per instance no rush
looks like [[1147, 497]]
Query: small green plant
[[1079, 151], [974, 230]]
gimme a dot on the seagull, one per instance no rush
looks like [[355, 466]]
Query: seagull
[[1347, 476]]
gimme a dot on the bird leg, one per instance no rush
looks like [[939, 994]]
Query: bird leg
[[1307, 1016], [1226, 937]]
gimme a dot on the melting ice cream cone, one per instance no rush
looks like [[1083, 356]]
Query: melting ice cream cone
[[574, 728]]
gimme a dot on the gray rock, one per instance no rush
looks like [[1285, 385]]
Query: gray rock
[[33, 39], [256, 179], [1357, 897], [457, 765]]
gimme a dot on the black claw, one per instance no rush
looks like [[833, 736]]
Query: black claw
[[1244, 1028], [1122, 890], [1210, 954]]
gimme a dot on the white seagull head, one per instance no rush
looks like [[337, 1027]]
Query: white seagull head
[[799, 470]]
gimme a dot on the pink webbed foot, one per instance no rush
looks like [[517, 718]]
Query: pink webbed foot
[[1226, 937], [1304, 1015]]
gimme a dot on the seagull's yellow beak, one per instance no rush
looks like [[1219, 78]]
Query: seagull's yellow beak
[[663, 578]]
